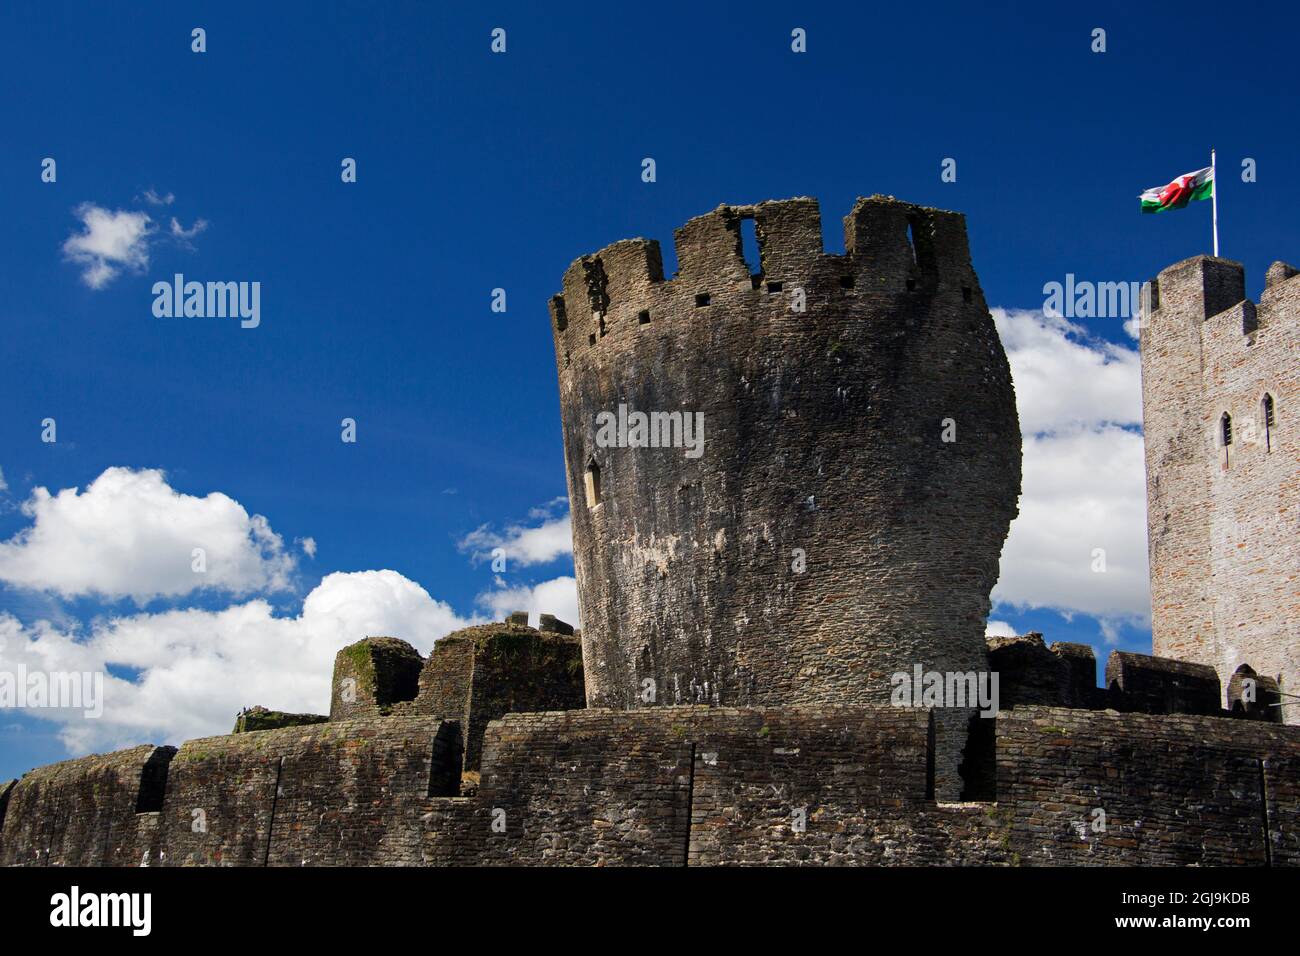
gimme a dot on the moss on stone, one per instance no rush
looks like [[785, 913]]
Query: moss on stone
[[259, 718]]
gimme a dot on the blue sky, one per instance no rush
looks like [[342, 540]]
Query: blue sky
[[478, 171]]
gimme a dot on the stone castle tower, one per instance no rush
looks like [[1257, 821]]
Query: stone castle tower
[[859, 470], [1220, 389]]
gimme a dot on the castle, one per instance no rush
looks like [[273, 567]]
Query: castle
[[746, 610]]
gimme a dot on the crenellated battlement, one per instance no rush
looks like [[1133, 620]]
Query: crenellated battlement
[[893, 248], [1212, 290]]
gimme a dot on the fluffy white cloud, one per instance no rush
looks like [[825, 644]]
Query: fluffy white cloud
[[195, 668], [999, 629], [109, 241], [1083, 504], [185, 235], [130, 534], [558, 596], [4, 485], [153, 199], [522, 544], [1065, 379]]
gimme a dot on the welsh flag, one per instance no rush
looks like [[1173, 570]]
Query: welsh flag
[[1189, 186]]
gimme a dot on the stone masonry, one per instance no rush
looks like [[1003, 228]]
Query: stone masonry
[[828, 535], [481, 673], [1220, 389]]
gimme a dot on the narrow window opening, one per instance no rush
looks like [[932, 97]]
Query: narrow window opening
[[774, 287], [561, 317], [1268, 422], [600, 322], [701, 300], [591, 339], [756, 281], [153, 780], [911, 285], [911, 242], [749, 247], [1225, 433], [446, 759], [593, 483], [965, 293], [643, 317], [566, 359], [846, 282]]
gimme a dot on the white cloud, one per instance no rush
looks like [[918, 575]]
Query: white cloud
[[1065, 379], [522, 544], [130, 534], [197, 668], [999, 629], [153, 199], [4, 485], [1084, 487], [180, 232], [558, 596], [109, 242], [308, 546]]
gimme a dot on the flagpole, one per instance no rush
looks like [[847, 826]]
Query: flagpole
[[1214, 198]]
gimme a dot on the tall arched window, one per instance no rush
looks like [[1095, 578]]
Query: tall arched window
[[1225, 434], [1267, 404]]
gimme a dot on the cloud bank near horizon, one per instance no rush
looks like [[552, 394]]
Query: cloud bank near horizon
[[185, 672]]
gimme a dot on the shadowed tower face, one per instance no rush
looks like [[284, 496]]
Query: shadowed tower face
[[842, 460]]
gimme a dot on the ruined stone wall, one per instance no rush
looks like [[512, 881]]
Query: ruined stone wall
[[1224, 519], [679, 786], [374, 677], [93, 811], [356, 795], [1173, 789], [346, 792], [6, 790], [1064, 676], [710, 786], [478, 674], [1157, 685], [822, 444]]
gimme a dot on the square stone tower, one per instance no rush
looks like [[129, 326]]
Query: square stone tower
[[1220, 392]]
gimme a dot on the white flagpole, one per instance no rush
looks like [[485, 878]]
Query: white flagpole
[[1214, 199]]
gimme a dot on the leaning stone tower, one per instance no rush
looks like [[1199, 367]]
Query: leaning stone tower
[[843, 519]]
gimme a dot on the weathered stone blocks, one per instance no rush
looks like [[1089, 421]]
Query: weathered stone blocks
[[372, 676], [1220, 390], [259, 718], [828, 535], [478, 674]]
